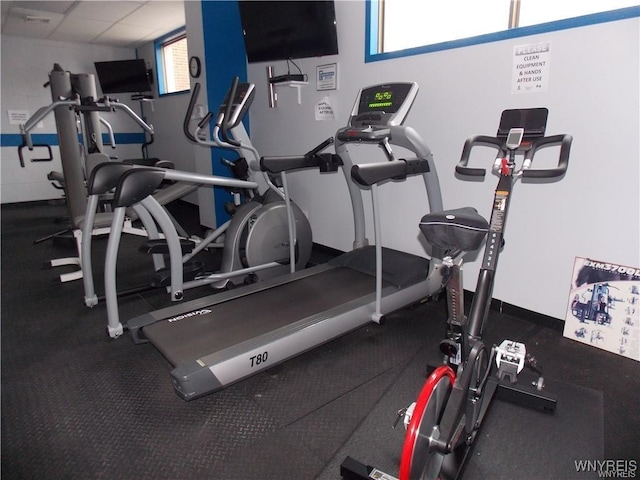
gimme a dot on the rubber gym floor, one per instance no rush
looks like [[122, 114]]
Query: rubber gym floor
[[77, 405]]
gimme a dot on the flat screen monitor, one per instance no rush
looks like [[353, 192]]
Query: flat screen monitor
[[281, 30], [123, 76]]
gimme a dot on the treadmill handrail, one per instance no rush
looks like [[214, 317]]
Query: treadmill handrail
[[374, 173]]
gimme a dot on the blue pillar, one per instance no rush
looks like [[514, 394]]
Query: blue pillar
[[225, 57]]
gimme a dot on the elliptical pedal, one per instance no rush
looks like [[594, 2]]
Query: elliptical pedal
[[190, 270], [161, 246]]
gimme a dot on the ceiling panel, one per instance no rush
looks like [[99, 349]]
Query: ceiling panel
[[171, 14], [126, 35], [127, 23], [72, 30], [108, 11], [52, 6]]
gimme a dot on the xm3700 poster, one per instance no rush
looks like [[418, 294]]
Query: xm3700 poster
[[604, 307]]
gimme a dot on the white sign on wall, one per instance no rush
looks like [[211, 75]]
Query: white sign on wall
[[324, 109], [327, 77], [18, 117], [530, 68]]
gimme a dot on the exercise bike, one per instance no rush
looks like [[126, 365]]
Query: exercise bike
[[447, 416]]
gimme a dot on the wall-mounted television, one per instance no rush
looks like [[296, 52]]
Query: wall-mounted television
[[123, 76], [280, 30]]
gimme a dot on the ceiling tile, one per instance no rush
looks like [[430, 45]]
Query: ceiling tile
[[124, 34], [72, 30], [157, 14], [108, 11], [51, 6]]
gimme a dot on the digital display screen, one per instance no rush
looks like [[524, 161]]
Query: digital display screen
[[386, 98], [382, 99], [515, 137]]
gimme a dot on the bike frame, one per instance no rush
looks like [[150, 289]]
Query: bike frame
[[466, 396]]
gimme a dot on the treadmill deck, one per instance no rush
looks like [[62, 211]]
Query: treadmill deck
[[200, 332]]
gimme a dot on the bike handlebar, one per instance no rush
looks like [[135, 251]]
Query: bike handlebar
[[563, 158], [530, 146], [462, 167]]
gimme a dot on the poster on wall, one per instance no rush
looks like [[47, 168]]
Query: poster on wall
[[604, 307], [530, 68]]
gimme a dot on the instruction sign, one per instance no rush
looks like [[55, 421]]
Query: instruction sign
[[530, 68], [324, 110]]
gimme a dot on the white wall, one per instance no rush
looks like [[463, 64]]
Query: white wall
[[592, 94], [26, 64]]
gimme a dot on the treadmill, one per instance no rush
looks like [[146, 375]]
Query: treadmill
[[220, 339]]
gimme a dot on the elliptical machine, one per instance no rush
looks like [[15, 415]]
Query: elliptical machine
[[258, 231], [446, 418], [257, 238]]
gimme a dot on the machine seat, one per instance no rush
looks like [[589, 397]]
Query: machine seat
[[458, 229]]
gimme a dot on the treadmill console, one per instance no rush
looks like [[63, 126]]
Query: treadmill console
[[241, 102], [376, 109]]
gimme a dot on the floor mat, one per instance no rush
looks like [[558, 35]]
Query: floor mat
[[514, 442]]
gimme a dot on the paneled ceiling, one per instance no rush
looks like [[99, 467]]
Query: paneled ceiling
[[126, 23]]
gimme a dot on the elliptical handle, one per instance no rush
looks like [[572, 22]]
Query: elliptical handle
[[225, 124], [205, 120], [563, 159], [462, 168], [316, 150], [190, 109]]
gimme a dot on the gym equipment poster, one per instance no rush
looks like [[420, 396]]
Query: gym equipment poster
[[604, 307]]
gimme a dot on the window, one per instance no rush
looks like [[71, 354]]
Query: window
[[541, 11], [403, 27], [172, 62]]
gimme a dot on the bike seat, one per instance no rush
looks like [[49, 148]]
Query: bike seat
[[458, 229]]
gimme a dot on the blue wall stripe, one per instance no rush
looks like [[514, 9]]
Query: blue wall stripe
[[126, 138], [15, 139]]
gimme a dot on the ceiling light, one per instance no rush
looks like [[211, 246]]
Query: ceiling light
[[36, 19]]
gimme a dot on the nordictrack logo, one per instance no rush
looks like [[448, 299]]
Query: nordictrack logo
[[195, 313], [608, 468]]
